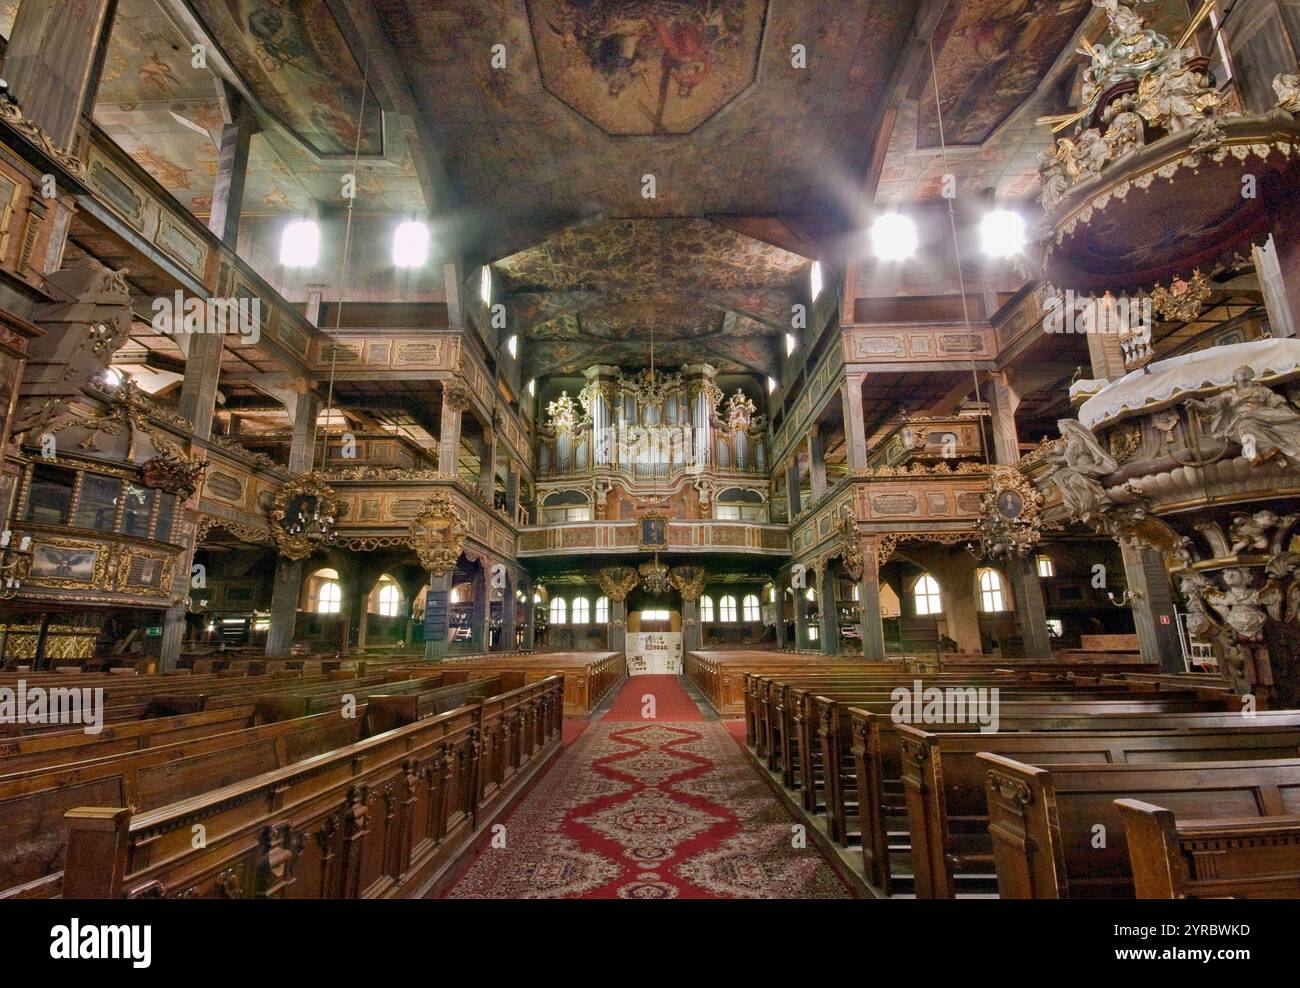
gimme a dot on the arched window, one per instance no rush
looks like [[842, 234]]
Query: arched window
[[581, 610], [602, 610], [749, 607], [727, 608], [706, 609], [1046, 567], [329, 598], [557, 611], [926, 594], [390, 600], [991, 596]]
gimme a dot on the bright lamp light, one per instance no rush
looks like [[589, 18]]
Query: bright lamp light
[[300, 246], [1003, 233], [893, 236], [410, 245]]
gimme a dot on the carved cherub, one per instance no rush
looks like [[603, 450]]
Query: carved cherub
[[1250, 531], [1287, 87]]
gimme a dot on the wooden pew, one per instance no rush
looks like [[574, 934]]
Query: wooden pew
[[945, 784], [33, 803], [827, 726], [882, 808], [1042, 820], [390, 816], [1199, 859]]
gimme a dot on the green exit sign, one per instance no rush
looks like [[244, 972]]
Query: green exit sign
[[154, 632]]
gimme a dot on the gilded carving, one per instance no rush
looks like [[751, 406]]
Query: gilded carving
[[438, 534]]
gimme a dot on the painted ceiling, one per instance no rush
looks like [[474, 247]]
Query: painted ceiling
[[294, 59], [990, 103], [574, 122], [597, 294], [168, 115], [648, 66]]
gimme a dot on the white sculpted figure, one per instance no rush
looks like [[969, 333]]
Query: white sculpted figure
[[1256, 418], [1125, 22], [1080, 464], [1287, 87]]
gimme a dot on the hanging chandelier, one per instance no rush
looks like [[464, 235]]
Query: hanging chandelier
[[654, 576], [1010, 521]]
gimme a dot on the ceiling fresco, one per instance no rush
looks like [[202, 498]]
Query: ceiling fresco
[[596, 294], [168, 115], [990, 56], [1005, 158], [526, 161], [294, 59], [647, 66]]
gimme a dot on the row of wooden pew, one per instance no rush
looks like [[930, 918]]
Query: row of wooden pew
[[285, 784], [1092, 784]]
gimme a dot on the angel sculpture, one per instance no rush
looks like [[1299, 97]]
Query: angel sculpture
[[1256, 418], [1080, 464], [1287, 87], [1125, 22], [1052, 175], [1239, 605], [1176, 98], [1250, 531]]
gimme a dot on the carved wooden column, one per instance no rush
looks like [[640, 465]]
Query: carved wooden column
[[455, 399], [286, 591], [869, 626]]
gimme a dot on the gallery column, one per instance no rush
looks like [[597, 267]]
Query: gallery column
[[479, 612], [828, 610], [870, 628], [1031, 612], [304, 408], [1153, 602], [53, 61], [508, 605], [435, 615], [455, 399]]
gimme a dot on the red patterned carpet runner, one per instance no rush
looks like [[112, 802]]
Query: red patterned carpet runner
[[650, 809]]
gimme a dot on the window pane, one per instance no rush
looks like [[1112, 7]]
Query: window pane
[[162, 529], [706, 608], [602, 610], [727, 609], [750, 606], [328, 598], [581, 610], [49, 501], [139, 508], [97, 505]]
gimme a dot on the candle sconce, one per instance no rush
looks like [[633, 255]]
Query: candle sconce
[[15, 563]]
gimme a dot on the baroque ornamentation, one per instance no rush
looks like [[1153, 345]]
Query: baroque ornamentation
[[1287, 87], [851, 548], [1183, 300], [616, 582], [688, 581], [1079, 464], [1254, 417], [173, 473], [1010, 521], [302, 515], [437, 534], [12, 114]]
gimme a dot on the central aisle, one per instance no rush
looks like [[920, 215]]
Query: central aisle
[[660, 808]]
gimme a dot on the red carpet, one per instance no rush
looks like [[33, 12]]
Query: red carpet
[[661, 697], [650, 809]]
